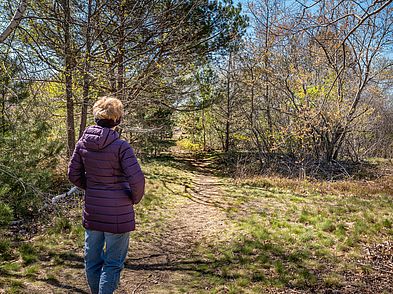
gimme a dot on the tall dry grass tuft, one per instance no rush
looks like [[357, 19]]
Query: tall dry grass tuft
[[363, 188]]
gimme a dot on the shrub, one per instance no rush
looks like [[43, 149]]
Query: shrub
[[26, 169], [6, 214], [5, 250], [187, 144], [61, 225]]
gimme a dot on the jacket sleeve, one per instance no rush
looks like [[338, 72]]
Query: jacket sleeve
[[76, 170], [132, 172]]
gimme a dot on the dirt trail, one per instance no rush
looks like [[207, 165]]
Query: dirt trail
[[163, 265]]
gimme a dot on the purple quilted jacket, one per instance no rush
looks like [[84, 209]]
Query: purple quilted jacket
[[107, 169]]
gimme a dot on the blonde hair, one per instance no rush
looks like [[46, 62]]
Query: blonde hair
[[108, 108]]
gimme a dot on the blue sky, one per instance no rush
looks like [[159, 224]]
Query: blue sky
[[388, 51]]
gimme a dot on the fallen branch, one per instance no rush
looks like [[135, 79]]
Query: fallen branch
[[72, 191], [48, 206], [56, 199]]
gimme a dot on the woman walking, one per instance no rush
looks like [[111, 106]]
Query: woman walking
[[106, 168]]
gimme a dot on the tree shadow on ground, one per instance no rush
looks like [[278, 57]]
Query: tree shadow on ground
[[50, 281], [57, 284], [206, 164], [69, 259], [268, 264], [256, 262]]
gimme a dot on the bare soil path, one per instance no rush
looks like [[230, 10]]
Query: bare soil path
[[163, 265]]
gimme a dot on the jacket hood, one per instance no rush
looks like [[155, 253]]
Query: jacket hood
[[97, 138]]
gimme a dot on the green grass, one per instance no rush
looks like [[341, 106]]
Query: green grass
[[60, 225], [32, 270], [28, 253], [11, 267], [5, 250], [15, 286]]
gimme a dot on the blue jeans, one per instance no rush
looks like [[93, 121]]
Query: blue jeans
[[103, 264]]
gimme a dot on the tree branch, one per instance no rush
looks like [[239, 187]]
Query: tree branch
[[14, 21]]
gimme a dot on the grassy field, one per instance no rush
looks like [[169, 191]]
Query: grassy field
[[285, 235], [306, 241]]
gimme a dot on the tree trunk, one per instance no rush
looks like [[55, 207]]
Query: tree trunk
[[86, 72], [112, 66], [339, 143], [204, 126], [68, 58], [252, 119], [3, 110], [120, 55], [228, 110], [266, 77]]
